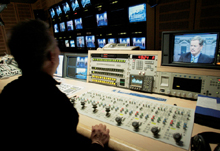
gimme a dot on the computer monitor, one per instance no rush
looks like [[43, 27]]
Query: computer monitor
[[58, 10], [124, 41], [69, 25], [67, 44], [112, 40], [86, 3], [74, 5], [62, 27], [52, 13], [139, 41], [137, 13], [56, 29], [66, 8], [78, 23], [59, 70], [80, 41], [101, 19], [72, 43], [90, 41], [101, 42]]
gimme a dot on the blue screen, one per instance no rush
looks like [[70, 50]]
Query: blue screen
[[66, 7], [112, 40], [139, 41], [56, 29], [90, 41], [195, 48], [62, 27], [69, 25], [72, 43], [85, 3], [137, 81], [78, 23], [124, 41], [52, 13], [58, 10], [74, 4], [101, 42], [80, 41], [101, 19], [137, 13]]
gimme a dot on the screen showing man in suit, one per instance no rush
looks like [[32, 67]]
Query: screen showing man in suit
[[195, 48]]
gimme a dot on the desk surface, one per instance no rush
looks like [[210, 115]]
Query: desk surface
[[121, 139]]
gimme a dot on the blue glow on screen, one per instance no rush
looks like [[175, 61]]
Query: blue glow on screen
[[139, 41], [137, 13], [102, 19], [66, 7], [74, 4], [78, 23], [90, 41], [101, 42], [85, 3]]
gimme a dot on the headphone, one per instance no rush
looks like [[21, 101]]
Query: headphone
[[200, 142]]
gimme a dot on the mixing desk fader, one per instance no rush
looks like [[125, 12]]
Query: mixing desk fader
[[163, 122]]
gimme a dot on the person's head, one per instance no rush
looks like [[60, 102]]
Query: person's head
[[33, 47], [196, 45]]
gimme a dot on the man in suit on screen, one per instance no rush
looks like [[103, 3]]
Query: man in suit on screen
[[195, 55]]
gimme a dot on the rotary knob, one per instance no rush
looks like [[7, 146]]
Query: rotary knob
[[177, 137], [135, 125], [155, 130], [107, 109], [83, 103], [94, 106], [118, 120]]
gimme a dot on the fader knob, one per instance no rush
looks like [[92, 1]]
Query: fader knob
[[135, 124], [118, 120], [155, 130], [177, 137], [83, 103], [107, 109]]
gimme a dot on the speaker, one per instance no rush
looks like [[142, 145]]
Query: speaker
[[39, 14]]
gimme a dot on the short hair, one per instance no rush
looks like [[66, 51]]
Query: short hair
[[29, 43], [199, 39]]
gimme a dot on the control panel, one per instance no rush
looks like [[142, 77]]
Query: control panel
[[68, 89], [163, 122]]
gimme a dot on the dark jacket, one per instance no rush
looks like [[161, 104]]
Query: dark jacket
[[186, 57], [36, 115]]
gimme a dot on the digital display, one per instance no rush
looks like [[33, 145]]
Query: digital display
[[67, 44], [62, 27], [74, 5], [124, 41], [56, 29], [136, 81], [80, 41], [78, 23], [52, 13], [72, 43], [69, 25], [90, 41], [139, 41], [59, 71], [195, 48], [85, 3], [112, 40], [137, 13], [101, 42], [101, 19], [143, 57], [58, 10], [66, 7]]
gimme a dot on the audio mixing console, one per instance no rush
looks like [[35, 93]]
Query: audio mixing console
[[163, 122], [68, 89]]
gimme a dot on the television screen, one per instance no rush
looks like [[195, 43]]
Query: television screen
[[85, 3], [74, 5], [62, 27], [90, 41], [67, 44], [139, 41], [72, 43], [78, 23], [69, 25], [101, 19], [58, 10], [101, 42], [52, 13], [56, 29], [195, 48], [112, 40], [137, 13], [80, 41], [66, 7], [136, 81], [59, 71], [124, 41]]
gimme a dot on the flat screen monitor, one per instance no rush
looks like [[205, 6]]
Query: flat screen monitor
[[59, 70], [124, 41], [139, 41], [137, 13], [136, 80], [67, 44], [58, 10], [85, 3], [101, 42], [78, 23], [80, 42], [195, 48], [69, 25], [52, 13], [112, 40], [72, 43], [90, 41], [77, 67], [66, 7], [56, 29], [101, 19], [74, 5], [62, 27]]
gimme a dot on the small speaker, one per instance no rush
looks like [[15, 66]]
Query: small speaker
[[39, 14]]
